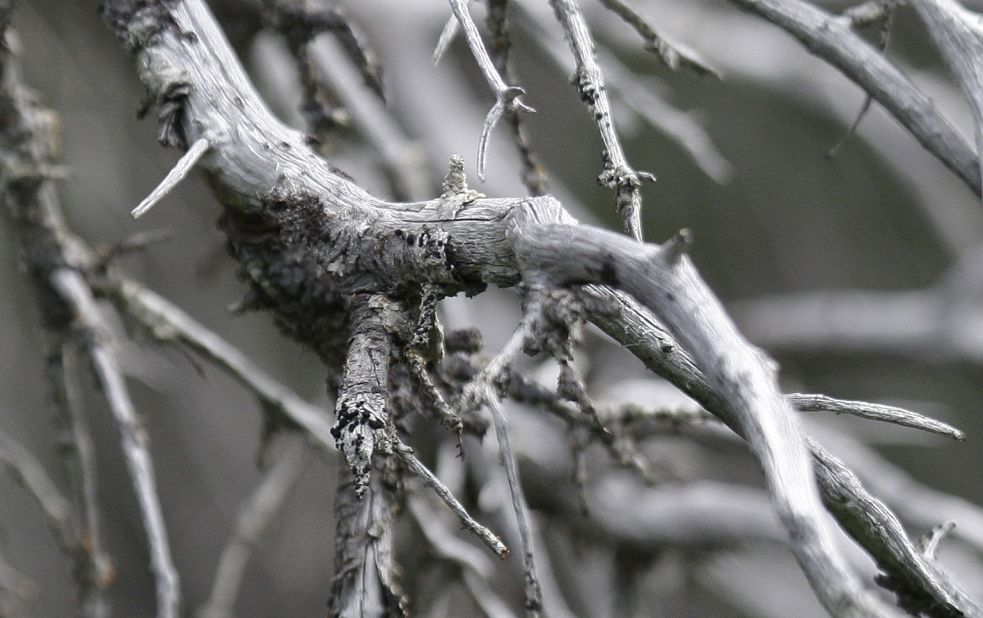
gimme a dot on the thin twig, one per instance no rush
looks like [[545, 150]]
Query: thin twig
[[166, 322], [431, 394], [874, 412], [447, 35], [24, 468], [618, 174], [929, 544], [174, 177], [506, 97], [474, 566], [534, 595], [99, 566], [640, 95], [883, 14], [672, 54], [473, 393], [254, 518], [76, 292], [416, 467]]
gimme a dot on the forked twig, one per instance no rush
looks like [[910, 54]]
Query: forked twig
[[506, 97]]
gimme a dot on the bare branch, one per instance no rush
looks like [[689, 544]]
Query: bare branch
[[254, 518], [363, 418], [673, 55], [491, 241], [912, 500], [167, 323], [487, 536], [365, 503], [958, 35], [363, 584], [98, 572], [617, 174], [506, 97], [174, 177], [834, 40], [916, 581], [76, 292], [534, 594], [875, 412], [878, 531], [28, 472]]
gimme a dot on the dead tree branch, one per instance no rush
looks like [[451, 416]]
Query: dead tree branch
[[55, 260], [833, 39], [618, 174], [340, 241]]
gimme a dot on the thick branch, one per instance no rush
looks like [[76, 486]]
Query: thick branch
[[879, 531]]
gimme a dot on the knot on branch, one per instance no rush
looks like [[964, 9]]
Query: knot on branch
[[454, 190], [621, 177]]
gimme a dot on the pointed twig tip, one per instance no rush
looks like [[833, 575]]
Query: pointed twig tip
[[677, 246], [174, 177]]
